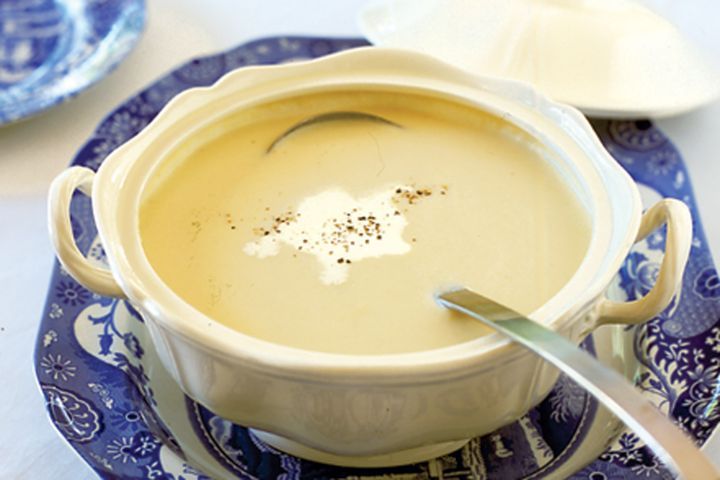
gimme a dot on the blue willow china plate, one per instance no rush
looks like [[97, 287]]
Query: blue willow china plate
[[112, 401], [50, 50]]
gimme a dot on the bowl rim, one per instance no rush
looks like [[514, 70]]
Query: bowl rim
[[369, 67]]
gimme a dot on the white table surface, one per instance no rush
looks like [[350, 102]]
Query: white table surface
[[33, 152]]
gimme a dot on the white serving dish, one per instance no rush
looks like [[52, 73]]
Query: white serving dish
[[609, 58], [376, 409]]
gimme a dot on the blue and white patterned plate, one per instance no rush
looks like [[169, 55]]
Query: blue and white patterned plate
[[112, 401], [50, 50]]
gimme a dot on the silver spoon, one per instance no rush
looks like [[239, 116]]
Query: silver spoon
[[609, 387], [669, 442], [330, 117]]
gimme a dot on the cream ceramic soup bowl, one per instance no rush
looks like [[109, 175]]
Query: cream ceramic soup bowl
[[377, 409]]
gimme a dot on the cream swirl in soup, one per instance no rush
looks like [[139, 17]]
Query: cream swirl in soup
[[334, 235]]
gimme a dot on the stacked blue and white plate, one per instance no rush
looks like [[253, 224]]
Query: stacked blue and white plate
[[51, 50]]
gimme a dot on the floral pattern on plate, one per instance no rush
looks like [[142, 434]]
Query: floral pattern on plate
[[92, 352]]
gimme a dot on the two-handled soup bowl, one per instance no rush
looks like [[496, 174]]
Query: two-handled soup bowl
[[367, 410]]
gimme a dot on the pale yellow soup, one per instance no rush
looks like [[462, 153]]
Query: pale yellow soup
[[275, 238]]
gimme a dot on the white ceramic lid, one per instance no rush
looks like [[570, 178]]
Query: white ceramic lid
[[609, 58]]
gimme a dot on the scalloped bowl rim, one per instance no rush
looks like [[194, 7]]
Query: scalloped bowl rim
[[388, 67]]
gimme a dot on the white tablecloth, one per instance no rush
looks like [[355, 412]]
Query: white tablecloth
[[33, 152]]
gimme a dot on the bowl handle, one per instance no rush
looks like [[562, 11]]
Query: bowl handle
[[676, 215], [98, 280]]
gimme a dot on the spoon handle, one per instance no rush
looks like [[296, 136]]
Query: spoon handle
[[610, 388]]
